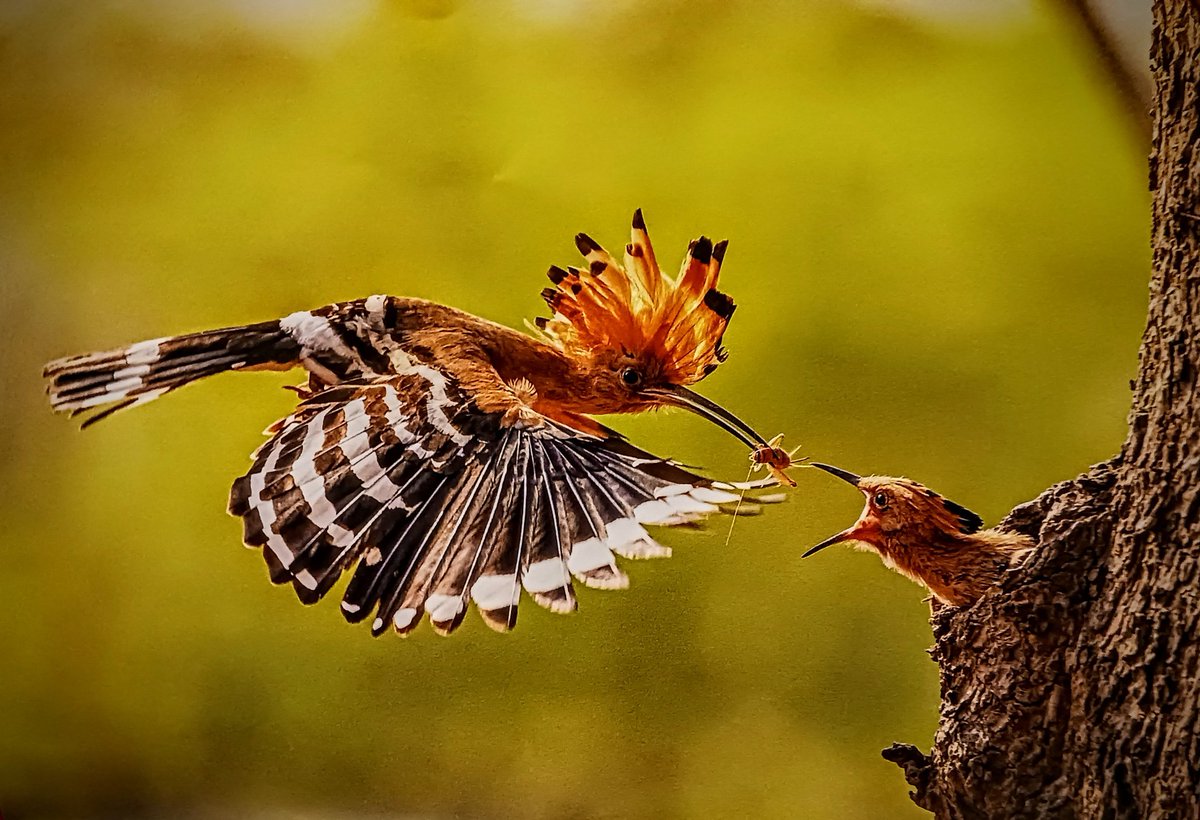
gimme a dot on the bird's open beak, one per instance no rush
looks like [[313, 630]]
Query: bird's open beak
[[844, 475], [844, 535], [678, 396]]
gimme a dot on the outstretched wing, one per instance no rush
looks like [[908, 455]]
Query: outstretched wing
[[437, 504]]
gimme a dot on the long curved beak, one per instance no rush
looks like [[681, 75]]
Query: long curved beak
[[844, 535], [678, 396], [845, 475]]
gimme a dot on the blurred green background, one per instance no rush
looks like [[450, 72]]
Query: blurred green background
[[938, 246]]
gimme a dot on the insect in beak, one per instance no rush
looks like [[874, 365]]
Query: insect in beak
[[679, 396], [775, 459]]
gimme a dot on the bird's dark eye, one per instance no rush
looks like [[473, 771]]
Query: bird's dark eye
[[631, 377], [880, 500]]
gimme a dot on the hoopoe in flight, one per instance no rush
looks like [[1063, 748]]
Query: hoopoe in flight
[[450, 459], [928, 538]]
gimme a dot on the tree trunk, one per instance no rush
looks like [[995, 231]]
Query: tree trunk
[[1074, 689]]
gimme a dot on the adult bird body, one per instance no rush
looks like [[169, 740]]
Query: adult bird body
[[447, 458]]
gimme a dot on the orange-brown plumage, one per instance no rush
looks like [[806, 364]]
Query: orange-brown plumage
[[928, 538], [447, 460], [634, 314], [622, 339]]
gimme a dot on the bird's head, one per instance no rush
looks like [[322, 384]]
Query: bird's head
[[643, 337], [899, 511]]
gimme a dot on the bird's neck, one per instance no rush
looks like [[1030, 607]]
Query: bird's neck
[[480, 353], [957, 568]]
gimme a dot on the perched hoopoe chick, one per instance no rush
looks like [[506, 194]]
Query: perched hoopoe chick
[[930, 539], [443, 458]]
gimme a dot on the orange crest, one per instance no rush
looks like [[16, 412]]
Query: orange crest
[[637, 309]]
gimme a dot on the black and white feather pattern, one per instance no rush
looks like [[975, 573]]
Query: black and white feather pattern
[[390, 472], [436, 514], [113, 380], [334, 343]]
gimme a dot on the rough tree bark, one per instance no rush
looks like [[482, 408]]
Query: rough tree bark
[[1073, 690]]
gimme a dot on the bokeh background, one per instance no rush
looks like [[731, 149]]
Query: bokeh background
[[938, 224]]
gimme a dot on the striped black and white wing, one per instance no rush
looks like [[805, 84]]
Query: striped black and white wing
[[436, 504], [336, 343]]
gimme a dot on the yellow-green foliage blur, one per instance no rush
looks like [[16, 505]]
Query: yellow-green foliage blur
[[938, 249]]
